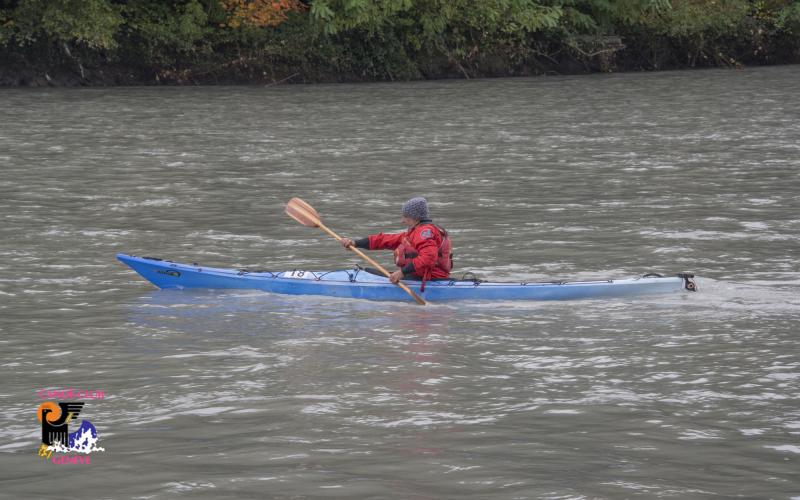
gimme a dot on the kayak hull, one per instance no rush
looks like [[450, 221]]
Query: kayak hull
[[358, 284]]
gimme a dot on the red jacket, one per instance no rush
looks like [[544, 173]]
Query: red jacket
[[426, 240]]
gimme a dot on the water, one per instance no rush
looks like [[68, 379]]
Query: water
[[243, 394]]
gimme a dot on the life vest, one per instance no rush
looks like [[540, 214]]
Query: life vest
[[406, 251]]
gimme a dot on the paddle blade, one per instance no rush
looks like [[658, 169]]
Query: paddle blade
[[308, 208], [302, 212]]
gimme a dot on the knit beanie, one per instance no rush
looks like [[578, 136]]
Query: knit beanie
[[416, 208]]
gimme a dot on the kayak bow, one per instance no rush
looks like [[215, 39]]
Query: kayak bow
[[360, 284]]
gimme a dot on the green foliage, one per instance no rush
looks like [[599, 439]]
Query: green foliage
[[431, 18], [633, 12], [390, 39], [157, 31], [395, 32], [92, 23], [688, 18], [6, 27], [787, 19]]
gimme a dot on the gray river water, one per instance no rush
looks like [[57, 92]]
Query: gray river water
[[244, 394]]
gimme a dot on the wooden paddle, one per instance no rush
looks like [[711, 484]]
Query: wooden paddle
[[305, 214]]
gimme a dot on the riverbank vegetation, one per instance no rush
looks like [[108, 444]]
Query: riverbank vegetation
[[106, 42]]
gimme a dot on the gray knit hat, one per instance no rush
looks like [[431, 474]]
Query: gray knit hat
[[416, 208]]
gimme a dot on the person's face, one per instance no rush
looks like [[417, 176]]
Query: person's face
[[409, 222]]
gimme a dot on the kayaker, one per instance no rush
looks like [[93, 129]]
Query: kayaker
[[422, 252]]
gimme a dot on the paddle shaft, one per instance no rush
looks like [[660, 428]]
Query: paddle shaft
[[380, 268]]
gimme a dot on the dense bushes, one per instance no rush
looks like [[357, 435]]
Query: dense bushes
[[184, 41]]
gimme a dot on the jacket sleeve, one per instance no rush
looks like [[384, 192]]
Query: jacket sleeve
[[382, 241]]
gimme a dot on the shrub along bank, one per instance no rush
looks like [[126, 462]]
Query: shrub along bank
[[107, 42]]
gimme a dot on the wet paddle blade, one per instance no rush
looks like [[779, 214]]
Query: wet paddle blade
[[302, 212], [300, 202]]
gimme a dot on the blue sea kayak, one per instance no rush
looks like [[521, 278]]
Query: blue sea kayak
[[360, 284]]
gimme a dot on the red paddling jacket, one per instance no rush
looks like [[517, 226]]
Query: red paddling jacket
[[422, 251]]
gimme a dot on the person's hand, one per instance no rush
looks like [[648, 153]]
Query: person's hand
[[346, 242], [396, 276]]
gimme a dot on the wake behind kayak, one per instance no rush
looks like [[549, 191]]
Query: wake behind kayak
[[359, 284]]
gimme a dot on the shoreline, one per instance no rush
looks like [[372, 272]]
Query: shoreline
[[117, 76]]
